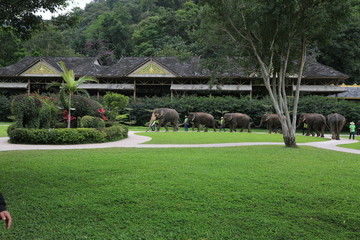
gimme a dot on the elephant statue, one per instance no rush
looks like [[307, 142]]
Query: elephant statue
[[31, 112], [335, 122], [165, 116], [206, 119], [315, 123], [272, 121], [235, 120]]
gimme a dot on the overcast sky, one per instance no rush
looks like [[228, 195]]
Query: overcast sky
[[75, 3]]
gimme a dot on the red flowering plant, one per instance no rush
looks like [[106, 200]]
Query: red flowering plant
[[66, 116], [102, 114]]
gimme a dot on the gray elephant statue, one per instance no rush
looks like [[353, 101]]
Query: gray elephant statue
[[31, 112], [335, 122], [272, 122], [200, 118], [165, 116], [315, 123], [235, 120]]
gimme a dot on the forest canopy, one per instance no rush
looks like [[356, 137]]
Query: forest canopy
[[110, 29]]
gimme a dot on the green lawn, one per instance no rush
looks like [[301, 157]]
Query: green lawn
[[263, 192], [352, 145], [219, 137], [3, 130]]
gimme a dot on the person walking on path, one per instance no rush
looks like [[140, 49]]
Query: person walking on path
[[222, 124], [305, 126], [154, 124], [4, 214], [186, 123], [352, 128]]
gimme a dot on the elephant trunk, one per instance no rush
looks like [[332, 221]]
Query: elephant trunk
[[261, 122], [152, 119]]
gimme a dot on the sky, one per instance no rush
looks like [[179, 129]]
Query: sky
[[75, 3]]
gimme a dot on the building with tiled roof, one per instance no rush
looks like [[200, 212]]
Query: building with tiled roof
[[149, 76]]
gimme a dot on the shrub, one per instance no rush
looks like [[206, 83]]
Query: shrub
[[65, 135], [31, 112], [114, 102], [85, 106], [92, 122], [115, 133]]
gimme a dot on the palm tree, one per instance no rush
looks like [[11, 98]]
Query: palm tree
[[71, 86]]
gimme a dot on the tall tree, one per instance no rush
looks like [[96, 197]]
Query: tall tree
[[71, 86], [343, 51], [8, 54], [273, 35], [48, 42], [20, 14]]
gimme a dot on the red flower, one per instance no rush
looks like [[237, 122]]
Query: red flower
[[66, 116], [102, 114]]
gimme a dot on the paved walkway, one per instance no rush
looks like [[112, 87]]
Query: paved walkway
[[136, 141]]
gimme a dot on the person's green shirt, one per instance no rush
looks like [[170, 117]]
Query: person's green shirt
[[352, 127]]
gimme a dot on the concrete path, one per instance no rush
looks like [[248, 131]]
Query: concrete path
[[136, 141]]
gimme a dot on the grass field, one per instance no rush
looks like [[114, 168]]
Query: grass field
[[352, 145], [263, 192], [219, 137], [3, 130]]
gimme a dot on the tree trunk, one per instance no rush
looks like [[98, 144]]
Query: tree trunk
[[69, 113], [290, 141], [289, 136]]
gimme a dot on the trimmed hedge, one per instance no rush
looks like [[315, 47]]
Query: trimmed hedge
[[92, 122], [66, 135], [141, 108], [31, 112]]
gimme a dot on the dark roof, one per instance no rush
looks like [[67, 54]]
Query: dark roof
[[351, 92], [314, 69], [190, 68]]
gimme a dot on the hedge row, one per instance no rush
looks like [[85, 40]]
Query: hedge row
[[66, 135], [141, 108]]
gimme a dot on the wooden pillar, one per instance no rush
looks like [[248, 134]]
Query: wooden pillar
[[171, 91], [251, 91], [28, 88], [134, 95]]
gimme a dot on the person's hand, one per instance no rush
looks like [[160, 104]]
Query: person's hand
[[5, 216]]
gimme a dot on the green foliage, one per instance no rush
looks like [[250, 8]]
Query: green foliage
[[30, 112], [5, 111], [48, 42], [92, 122], [343, 51], [8, 54], [71, 86], [65, 135], [85, 106], [115, 133], [21, 14], [114, 102]]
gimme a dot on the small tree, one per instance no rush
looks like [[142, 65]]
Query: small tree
[[114, 102], [71, 86]]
